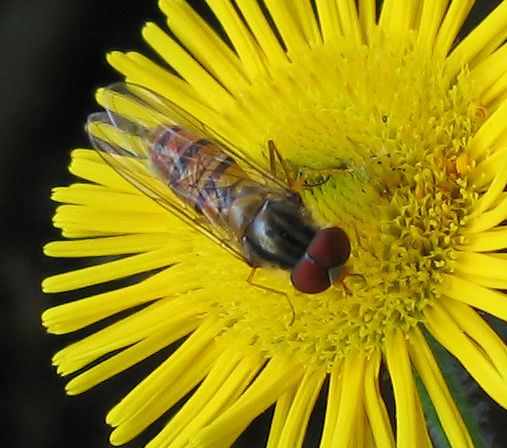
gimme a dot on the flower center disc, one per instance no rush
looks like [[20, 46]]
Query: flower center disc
[[395, 127]]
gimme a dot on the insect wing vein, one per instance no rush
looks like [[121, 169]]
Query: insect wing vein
[[169, 113], [123, 147]]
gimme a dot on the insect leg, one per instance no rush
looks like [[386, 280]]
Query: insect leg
[[267, 288], [275, 154], [341, 280], [302, 181]]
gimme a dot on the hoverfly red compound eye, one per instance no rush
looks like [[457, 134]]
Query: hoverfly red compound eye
[[329, 248], [310, 277]]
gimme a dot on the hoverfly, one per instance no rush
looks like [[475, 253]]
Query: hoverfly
[[217, 190]]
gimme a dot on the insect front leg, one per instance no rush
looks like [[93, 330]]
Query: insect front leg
[[267, 288], [302, 181]]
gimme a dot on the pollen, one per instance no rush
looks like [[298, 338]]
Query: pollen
[[392, 128]]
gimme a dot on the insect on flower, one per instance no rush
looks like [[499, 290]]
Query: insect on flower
[[256, 216]]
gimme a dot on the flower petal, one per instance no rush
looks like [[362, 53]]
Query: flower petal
[[492, 240], [434, 382], [351, 399], [492, 130], [485, 299], [375, 406], [489, 219], [455, 16], [112, 270], [432, 14], [397, 18], [243, 41], [147, 401], [278, 376], [484, 265], [489, 75], [332, 407], [293, 411], [263, 32], [75, 315], [411, 426], [231, 373], [159, 317], [205, 45], [484, 39], [471, 346], [199, 78], [99, 247]]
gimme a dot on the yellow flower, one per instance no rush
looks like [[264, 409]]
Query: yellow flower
[[420, 125]]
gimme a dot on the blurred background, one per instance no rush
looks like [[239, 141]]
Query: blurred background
[[52, 58]]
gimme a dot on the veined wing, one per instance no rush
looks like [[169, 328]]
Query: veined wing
[[124, 146], [142, 106]]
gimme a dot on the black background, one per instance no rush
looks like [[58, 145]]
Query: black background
[[52, 58]]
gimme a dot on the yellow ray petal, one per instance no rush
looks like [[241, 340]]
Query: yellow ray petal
[[88, 164], [263, 33], [146, 392], [332, 407], [481, 264], [349, 21], [101, 197], [159, 316], [351, 399], [115, 245], [452, 23], [486, 170], [127, 107], [306, 15], [490, 131], [282, 408], [489, 71], [397, 18], [489, 219], [200, 79], [441, 398], [367, 17], [287, 25], [328, 19], [240, 37], [490, 301], [140, 70], [492, 240], [473, 356], [278, 376], [375, 406], [432, 15], [408, 414], [481, 333], [72, 316], [497, 94], [483, 40], [228, 377], [131, 356], [100, 221], [112, 270], [231, 373], [291, 418], [487, 282], [495, 188], [205, 45]]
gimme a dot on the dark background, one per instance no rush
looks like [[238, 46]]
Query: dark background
[[51, 61]]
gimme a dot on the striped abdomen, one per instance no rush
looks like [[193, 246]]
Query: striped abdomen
[[198, 171]]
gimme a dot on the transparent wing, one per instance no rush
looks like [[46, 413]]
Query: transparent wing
[[141, 106], [121, 136]]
